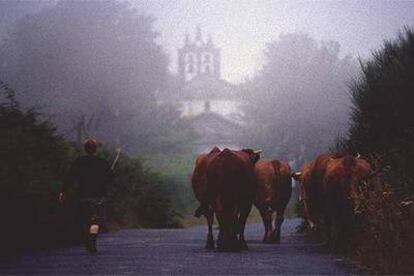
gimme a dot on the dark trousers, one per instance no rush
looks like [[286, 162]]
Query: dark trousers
[[91, 211]]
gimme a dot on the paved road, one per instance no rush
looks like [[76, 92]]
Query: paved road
[[181, 251]]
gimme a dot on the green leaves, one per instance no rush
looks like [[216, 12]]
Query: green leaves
[[33, 162], [141, 198], [383, 96], [382, 127]]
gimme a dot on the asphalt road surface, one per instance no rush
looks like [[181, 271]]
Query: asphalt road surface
[[181, 252]]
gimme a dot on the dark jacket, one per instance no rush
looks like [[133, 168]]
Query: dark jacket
[[91, 175]]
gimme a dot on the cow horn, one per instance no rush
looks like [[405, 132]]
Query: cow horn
[[296, 175], [257, 151], [312, 224]]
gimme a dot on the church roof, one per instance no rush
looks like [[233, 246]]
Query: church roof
[[206, 87], [198, 44], [214, 128]]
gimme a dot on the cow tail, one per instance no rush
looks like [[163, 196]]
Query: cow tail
[[276, 167], [283, 175]]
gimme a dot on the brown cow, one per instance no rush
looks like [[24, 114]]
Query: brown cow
[[330, 187], [303, 177], [310, 178], [339, 188], [231, 187], [204, 193], [199, 185], [274, 188]]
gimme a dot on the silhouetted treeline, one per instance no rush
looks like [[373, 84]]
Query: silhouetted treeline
[[382, 128], [34, 162], [94, 66], [33, 159], [298, 102]]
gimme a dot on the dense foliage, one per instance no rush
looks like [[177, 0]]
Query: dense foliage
[[34, 163], [177, 169], [383, 234], [142, 198], [382, 127], [33, 160], [382, 119]]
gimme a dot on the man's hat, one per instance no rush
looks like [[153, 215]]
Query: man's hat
[[90, 145]]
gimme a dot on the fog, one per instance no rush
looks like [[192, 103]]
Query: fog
[[243, 28], [278, 78]]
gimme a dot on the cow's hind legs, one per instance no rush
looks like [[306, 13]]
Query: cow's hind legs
[[241, 225], [227, 238], [267, 222], [210, 238], [278, 224]]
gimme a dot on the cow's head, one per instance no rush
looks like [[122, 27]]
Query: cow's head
[[254, 155], [298, 177], [301, 177]]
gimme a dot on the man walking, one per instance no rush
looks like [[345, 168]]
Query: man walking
[[92, 176]]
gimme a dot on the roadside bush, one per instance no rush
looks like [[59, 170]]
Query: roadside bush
[[385, 226], [382, 126], [382, 115], [34, 162], [141, 198], [175, 170]]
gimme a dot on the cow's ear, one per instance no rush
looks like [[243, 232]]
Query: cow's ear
[[255, 158], [254, 155], [215, 150]]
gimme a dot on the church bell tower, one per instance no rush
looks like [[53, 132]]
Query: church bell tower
[[198, 57]]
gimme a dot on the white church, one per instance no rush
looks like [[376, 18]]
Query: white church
[[208, 102], [203, 90]]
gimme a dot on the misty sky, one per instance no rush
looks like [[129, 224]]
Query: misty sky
[[242, 28]]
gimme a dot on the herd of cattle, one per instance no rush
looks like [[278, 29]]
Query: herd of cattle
[[228, 183]]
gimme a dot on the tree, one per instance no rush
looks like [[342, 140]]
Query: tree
[[34, 159], [382, 128], [382, 97], [95, 66], [297, 103]]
